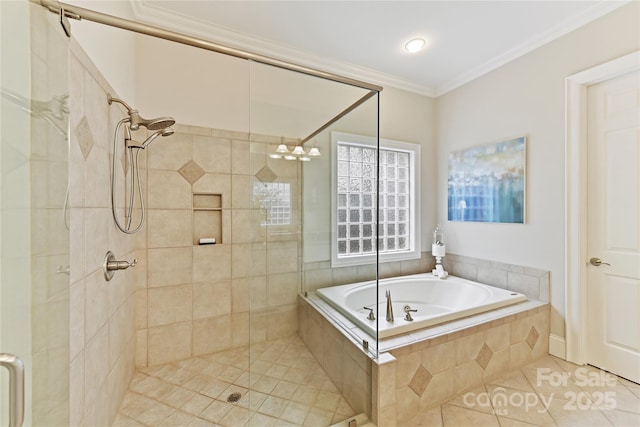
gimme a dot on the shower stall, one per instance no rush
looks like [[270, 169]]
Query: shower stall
[[34, 218], [212, 321]]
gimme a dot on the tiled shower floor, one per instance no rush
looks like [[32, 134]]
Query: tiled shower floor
[[288, 388], [284, 386]]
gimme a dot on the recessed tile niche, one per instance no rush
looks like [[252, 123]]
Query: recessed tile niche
[[207, 217]]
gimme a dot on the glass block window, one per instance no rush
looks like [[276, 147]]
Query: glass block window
[[275, 199], [356, 222]]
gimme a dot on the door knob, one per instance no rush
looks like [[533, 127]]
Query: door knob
[[597, 262]]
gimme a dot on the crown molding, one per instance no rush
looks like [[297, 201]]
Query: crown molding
[[596, 11], [228, 37]]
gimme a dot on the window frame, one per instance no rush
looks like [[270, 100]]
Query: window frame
[[413, 150]]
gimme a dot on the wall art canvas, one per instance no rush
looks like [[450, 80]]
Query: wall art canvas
[[487, 183]]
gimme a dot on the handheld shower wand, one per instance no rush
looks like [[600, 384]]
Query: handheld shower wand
[[160, 127], [130, 143]]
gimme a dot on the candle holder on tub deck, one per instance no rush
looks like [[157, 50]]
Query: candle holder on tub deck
[[438, 251]]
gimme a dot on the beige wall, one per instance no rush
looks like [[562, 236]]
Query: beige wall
[[526, 97], [212, 90], [192, 85], [111, 49], [406, 116]]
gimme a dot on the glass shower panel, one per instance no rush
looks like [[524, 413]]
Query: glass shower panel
[[340, 210], [298, 373], [34, 284], [340, 223]]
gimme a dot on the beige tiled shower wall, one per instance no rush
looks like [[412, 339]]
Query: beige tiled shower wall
[[196, 299], [44, 191], [102, 336]]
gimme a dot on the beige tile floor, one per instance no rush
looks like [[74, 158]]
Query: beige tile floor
[[284, 386], [548, 392]]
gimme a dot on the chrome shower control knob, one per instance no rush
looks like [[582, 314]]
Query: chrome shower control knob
[[111, 265]]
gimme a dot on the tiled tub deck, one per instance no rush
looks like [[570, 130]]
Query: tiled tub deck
[[419, 370]]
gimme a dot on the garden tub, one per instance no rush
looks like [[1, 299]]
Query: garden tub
[[435, 301]]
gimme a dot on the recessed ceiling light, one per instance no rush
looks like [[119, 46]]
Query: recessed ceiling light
[[415, 45]]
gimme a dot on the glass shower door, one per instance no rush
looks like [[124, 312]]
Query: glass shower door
[[302, 370], [34, 254]]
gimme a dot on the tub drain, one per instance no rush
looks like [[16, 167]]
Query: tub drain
[[234, 397]]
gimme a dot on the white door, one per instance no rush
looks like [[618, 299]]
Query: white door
[[613, 253]]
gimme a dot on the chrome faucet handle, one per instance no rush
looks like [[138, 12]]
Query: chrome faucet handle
[[408, 310], [371, 316], [110, 265]]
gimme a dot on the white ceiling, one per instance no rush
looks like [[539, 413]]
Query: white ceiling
[[364, 39]]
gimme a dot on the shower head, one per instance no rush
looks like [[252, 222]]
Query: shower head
[[162, 132], [136, 120], [158, 123]]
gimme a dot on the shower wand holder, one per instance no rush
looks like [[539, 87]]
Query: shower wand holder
[[110, 265]]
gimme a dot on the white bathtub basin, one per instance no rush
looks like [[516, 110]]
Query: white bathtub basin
[[436, 301]]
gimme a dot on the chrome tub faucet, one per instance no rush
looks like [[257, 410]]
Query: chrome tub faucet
[[389, 307]]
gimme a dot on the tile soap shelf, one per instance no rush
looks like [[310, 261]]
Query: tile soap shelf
[[207, 218], [207, 201]]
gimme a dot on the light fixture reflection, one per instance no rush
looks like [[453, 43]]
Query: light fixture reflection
[[314, 152], [298, 152], [282, 149]]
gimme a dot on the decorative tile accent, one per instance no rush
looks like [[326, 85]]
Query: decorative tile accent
[[84, 135], [191, 171], [532, 338], [420, 380], [266, 174], [484, 356]]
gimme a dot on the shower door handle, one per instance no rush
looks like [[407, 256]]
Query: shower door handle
[[16, 388]]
